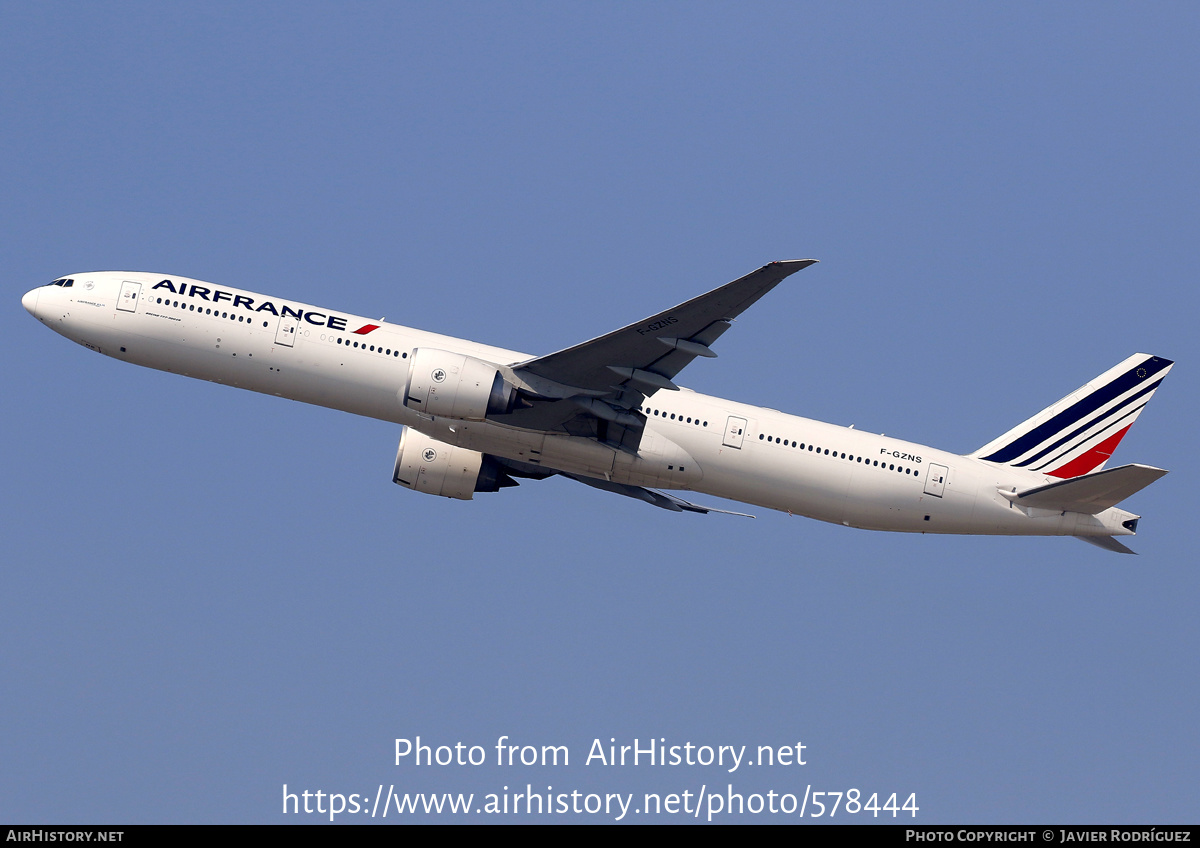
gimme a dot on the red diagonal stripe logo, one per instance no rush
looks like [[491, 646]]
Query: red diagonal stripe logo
[[365, 328]]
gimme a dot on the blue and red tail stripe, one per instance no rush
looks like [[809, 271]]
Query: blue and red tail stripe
[[1085, 406], [1079, 433]]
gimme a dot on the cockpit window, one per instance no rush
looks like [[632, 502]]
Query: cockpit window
[[65, 283]]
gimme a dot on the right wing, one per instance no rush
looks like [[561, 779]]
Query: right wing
[[662, 500], [510, 468]]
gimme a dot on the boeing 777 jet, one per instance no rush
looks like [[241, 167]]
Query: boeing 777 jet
[[608, 412]]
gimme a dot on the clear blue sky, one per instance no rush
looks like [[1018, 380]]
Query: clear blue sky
[[209, 593]]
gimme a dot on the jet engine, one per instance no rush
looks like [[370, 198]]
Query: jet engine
[[436, 468], [456, 386]]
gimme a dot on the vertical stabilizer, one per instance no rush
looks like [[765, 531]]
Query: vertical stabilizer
[[1078, 434]]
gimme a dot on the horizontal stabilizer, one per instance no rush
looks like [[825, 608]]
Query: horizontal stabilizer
[[1108, 543], [1091, 493]]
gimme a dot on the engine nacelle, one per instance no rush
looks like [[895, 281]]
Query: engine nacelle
[[426, 465], [456, 386]]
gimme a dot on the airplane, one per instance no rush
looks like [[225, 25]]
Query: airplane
[[608, 412]]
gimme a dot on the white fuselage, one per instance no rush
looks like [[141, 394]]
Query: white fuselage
[[691, 441]]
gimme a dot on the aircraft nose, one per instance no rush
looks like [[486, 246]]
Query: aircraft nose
[[29, 301]]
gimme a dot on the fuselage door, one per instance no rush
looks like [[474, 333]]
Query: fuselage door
[[735, 431], [128, 299], [286, 334], [935, 480]]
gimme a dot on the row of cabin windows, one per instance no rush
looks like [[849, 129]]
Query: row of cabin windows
[[801, 445], [662, 413], [206, 311], [872, 462], [373, 348], [191, 307]]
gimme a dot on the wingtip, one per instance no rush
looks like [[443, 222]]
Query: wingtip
[[793, 265]]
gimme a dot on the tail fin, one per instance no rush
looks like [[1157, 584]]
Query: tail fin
[[1079, 433]]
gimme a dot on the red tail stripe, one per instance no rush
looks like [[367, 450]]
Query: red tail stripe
[[1085, 462]]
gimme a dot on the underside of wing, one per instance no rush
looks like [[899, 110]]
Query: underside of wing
[[662, 500], [509, 469], [595, 388]]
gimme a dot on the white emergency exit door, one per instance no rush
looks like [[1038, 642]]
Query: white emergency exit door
[[286, 334], [735, 431], [935, 480], [128, 299]]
